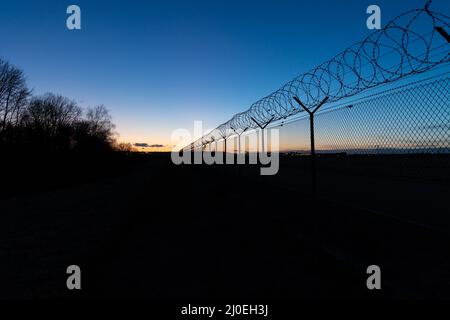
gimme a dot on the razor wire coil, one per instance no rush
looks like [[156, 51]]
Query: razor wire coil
[[360, 67]]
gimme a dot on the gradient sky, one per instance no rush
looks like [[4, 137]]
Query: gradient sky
[[160, 65]]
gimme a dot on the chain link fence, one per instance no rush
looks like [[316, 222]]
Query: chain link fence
[[411, 44], [403, 132]]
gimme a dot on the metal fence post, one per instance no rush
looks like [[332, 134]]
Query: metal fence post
[[262, 127], [224, 150], [443, 33], [239, 137], [313, 146]]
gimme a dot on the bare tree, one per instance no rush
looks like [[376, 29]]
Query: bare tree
[[13, 94], [124, 147], [51, 122], [51, 113], [100, 122]]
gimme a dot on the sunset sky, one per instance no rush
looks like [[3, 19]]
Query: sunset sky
[[160, 65]]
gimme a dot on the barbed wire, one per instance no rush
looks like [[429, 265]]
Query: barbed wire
[[409, 39], [351, 103]]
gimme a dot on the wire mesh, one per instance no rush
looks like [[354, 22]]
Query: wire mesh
[[401, 132], [409, 44], [411, 120]]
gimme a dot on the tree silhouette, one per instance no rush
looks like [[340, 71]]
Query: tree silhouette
[[49, 123], [14, 95]]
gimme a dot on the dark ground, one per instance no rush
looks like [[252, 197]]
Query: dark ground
[[212, 233]]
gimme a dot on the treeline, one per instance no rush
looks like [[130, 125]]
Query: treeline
[[50, 123], [49, 141]]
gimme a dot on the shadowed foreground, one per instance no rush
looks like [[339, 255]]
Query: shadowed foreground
[[189, 233]]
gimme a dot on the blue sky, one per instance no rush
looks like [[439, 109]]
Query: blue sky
[[160, 65]]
